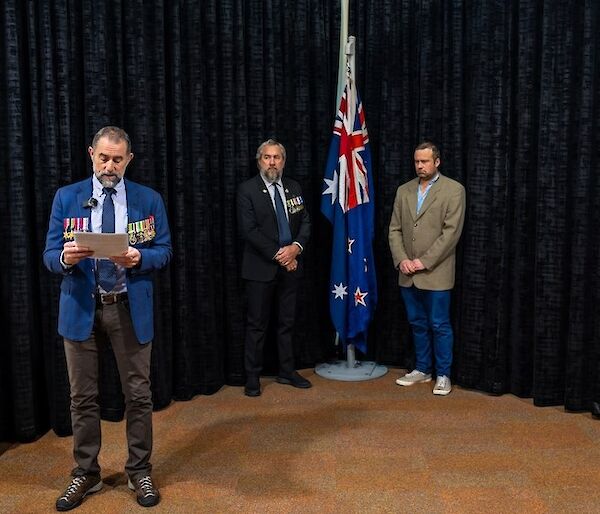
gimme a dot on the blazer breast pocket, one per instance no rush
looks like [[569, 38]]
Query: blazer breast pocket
[[295, 204], [142, 231]]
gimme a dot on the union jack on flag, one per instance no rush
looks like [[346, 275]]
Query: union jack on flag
[[347, 202]]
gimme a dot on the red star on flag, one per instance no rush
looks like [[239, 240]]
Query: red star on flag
[[359, 297]]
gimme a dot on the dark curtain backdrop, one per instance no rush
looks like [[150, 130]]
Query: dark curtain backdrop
[[509, 90]]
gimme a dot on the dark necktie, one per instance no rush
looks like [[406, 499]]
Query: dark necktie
[[107, 271], [285, 236]]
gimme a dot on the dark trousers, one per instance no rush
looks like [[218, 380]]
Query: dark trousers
[[261, 296], [112, 323]]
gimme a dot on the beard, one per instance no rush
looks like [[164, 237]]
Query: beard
[[108, 179], [271, 174]]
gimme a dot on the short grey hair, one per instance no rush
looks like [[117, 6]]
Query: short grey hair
[[270, 142]]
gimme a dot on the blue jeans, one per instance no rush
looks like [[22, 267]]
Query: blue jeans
[[428, 313]]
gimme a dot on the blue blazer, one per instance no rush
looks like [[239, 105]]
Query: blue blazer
[[78, 288]]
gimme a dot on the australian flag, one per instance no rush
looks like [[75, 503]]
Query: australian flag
[[347, 202]]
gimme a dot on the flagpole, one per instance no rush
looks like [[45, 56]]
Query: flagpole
[[348, 48], [342, 60], [350, 58], [350, 369]]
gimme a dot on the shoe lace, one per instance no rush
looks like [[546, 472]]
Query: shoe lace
[[145, 484], [442, 382], [74, 486]]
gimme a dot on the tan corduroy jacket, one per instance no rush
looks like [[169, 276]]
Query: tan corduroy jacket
[[430, 236]]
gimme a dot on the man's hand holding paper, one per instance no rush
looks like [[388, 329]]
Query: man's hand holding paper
[[131, 258], [103, 245]]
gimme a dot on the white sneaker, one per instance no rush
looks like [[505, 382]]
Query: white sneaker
[[414, 377], [442, 386]]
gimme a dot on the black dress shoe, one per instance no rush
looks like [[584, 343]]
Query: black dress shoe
[[295, 380], [252, 387]]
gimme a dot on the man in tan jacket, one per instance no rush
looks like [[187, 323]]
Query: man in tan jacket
[[426, 224]]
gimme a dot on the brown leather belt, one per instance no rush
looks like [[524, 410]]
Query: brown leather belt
[[110, 298]]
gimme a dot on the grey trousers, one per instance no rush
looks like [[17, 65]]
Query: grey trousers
[[112, 323]]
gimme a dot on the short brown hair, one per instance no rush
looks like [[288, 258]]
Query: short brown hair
[[114, 134], [429, 145]]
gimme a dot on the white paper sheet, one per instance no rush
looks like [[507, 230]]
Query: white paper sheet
[[102, 244]]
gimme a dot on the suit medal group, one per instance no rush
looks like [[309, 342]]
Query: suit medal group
[[295, 204], [72, 225], [139, 231]]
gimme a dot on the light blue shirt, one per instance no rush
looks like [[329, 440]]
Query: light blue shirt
[[422, 195], [120, 203], [271, 188]]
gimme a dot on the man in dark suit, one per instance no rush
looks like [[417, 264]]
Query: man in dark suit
[[275, 226], [108, 301]]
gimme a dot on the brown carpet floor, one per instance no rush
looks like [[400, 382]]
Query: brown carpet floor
[[340, 447]]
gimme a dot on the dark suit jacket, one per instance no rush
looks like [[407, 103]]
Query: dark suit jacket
[[78, 288], [258, 226]]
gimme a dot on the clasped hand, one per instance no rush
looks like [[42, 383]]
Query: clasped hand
[[410, 267], [286, 257]]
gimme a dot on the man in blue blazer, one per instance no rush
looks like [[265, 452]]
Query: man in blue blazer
[[108, 301], [275, 226]]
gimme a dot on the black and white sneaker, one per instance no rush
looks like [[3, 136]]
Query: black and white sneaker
[[77, 490], [147, 494]]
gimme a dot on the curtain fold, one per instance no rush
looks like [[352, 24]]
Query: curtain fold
[[509, 90]]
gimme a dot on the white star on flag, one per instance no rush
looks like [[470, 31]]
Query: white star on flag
[[339, 291], [359, 297], [332, 187], [350, 243]]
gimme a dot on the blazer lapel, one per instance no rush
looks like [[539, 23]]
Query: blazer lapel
[[287, 191], [133, 206], [412, 198], [83, 195], [265, 194], [433, 192]]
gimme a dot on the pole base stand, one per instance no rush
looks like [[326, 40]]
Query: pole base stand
[[340, 370]]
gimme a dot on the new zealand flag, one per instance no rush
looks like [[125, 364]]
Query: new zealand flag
[[347, 203]]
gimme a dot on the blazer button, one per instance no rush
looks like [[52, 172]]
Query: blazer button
[[416, 224], [413, 238]]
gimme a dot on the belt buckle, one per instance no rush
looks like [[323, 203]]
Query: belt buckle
[[108, 298]]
